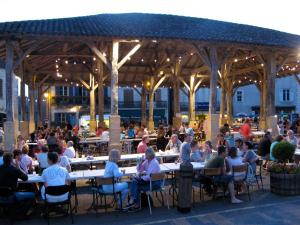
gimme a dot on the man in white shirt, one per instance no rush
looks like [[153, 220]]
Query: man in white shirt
[[70, 151], [55, 175]]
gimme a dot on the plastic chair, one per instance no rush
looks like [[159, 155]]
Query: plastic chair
[[57, 191]]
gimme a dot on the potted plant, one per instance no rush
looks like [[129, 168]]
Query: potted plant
[[284, 176]]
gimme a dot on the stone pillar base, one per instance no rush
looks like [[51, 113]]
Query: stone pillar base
[[93, 126], [114, 132], [177, 122], [24, 129], [9, 135], [272, 125], [31, 127], [150, 125], [262, 124], [213, 128], [193, 124]]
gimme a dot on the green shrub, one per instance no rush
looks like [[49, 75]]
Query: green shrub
[[283, 151]]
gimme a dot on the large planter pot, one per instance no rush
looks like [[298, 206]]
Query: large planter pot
[[285, 184]]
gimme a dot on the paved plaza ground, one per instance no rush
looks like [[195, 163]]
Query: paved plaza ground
[[265, 208]]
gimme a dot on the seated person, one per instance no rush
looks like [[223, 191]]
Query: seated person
[[291, 138], [63, 160], [9, 175], [234, 160], [222, 141], [105, 134], [42, 158], [17, 160], [54, 175], [70, 151], [26, 160], [239, 146], [174, 144], [249, 155], [196, 155], [185, 148], [143, 145], [208, 151], [130, 131], [142, 182], [112, 170], [219, 162]]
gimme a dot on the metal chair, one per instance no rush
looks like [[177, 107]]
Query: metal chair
[[258, 173], [161, 189], [242, 169], [57, 191], [99, 192]]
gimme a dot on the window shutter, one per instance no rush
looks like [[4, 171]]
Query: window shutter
[[291, 95], [281, 95]]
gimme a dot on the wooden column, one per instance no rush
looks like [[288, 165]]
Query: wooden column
[[229, 98], [32, 104], [100, 79], [192, 113], [223, 102], [151, 105], [9, 126], [209, 56], [92, 104], [271, 70], [39, 106], [176, 99], [23, 97], [113, 66], [144, 105]]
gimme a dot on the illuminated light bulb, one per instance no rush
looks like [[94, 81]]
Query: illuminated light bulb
[[192, 53], [104, 54], [142, 60], [83, 62], [155, 60], [246, 57], [168, 59], [235, 60], [262, 64], [154, 41], [66, 62], [56, 66], [239, 81], [74, 63], [148, 83], [253, 59], [135, 85], [94, 58], [77, 85]]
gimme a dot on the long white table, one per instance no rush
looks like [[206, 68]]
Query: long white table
[[102, 159], [297, 152], [90, 174]]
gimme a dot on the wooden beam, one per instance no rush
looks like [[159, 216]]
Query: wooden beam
[[297, 78], [43, 80], [159, 82], [22, 55], [197, 85], [129, 54], [99, 54], [184, 83], [84, 84]]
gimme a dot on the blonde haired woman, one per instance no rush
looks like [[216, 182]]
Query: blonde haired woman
[[112, 170]]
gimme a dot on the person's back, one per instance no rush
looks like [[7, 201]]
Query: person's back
[[9, 174], [215, 162], [264, 147]]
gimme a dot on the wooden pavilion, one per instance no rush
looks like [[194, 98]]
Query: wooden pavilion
[[145, 50]]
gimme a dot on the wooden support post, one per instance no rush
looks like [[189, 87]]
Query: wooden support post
[[176, 99], [229, 98], [100, 79], [223, 102], [32, 104], [144, 105], [114, 120], [23, 97], [192, 113], [92, 104], [209, 56], [9, 126], [39, 106]]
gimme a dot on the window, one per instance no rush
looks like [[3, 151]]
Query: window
[[61, 91], [286, 97], [128, 95], [157, 96], [1, 88], [239, 96]]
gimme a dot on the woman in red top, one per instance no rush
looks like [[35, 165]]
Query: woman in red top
[[245, 130]]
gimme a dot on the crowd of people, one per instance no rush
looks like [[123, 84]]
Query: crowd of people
[[54, 148]]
